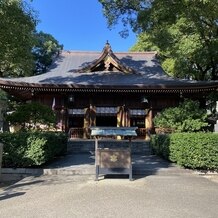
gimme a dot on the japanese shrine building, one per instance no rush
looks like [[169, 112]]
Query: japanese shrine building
[[106, 89]]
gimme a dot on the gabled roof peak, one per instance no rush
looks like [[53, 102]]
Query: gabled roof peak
[[107, 47], [107, 61]]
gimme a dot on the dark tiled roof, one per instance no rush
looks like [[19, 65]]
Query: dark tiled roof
[[64, 72]]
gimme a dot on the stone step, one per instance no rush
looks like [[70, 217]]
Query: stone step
[[138, 147], [84, 164]]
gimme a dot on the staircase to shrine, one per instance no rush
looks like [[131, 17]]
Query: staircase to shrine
[[82, 146]]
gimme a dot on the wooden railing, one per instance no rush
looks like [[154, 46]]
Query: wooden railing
[[75, 132]]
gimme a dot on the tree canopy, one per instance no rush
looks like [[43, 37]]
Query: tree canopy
[[44, 51], [17, 22], [31, 116], [24, 51], [184, 32]]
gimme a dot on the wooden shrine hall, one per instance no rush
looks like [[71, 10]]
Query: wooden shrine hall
[[107, 89]]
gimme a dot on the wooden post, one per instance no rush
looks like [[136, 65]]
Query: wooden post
[[123, 118], [119, 111], [148, 124], [1, 153], [86, 123], [89, 120], [96, 159], [63, 118]]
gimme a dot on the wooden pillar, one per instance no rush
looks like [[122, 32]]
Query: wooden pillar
[[148, 123], [1, 154], [86, 123], [89, 120], [123, 117], [63, 119], [118, 121]]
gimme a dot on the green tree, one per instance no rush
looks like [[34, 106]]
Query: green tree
[[187, 117], [31, 115], [185, 32], [44, 51], [24, 51], [17, 23]]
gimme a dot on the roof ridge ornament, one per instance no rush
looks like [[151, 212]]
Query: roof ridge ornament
[[107, 47]]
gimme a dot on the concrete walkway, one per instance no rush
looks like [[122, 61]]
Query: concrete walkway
[[164, 191]]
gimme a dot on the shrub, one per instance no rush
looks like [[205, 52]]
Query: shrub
[[187, 117], [14, 149], [25, 149], [191, 150], [36, 151], [160, 145]]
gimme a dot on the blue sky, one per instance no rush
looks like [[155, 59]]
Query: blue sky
[[79, 25]]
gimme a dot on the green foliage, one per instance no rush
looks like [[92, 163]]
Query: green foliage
[[17, 23], [212, 100], [14, 149], [147, 44], [160, 145], [169, 64], [125, 10], [31, 116], [36, 149], [191, 150], [44, 51], [3, 95], [184, 32], [25, 149], [24, 51], [187, 117]]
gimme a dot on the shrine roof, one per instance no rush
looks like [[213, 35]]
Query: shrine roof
[[106, 69], [65, 68]]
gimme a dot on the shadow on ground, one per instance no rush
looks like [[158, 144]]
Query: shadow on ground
[[143, 165]]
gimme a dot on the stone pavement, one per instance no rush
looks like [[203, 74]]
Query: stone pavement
[[163, 191], [84, 164]]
